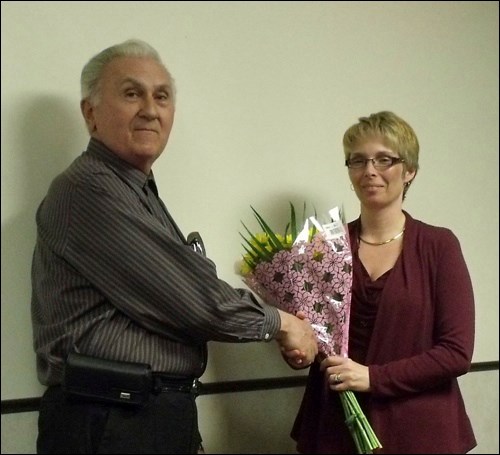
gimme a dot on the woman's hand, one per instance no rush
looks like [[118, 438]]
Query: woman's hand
[[343, 373]]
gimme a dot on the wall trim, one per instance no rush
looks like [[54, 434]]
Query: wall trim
[[247, 385]]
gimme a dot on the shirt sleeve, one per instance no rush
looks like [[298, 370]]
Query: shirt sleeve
[[160, 283]]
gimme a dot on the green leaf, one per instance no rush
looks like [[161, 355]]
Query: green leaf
[[262, 253], [253, 255], [273, 240], [250, 263], [287, 228], [293, 222]]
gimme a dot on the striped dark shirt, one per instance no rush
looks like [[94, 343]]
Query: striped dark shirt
[[113, 277]]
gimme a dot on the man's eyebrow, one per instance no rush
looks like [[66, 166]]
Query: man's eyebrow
[[130, 80]]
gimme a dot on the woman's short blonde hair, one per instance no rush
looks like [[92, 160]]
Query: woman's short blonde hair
[[392, 130]]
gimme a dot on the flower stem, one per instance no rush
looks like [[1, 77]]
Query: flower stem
[[361, 431]]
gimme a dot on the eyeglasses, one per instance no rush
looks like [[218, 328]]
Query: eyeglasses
[[379, 162]]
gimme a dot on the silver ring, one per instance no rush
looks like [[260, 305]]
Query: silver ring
[[336, 378]]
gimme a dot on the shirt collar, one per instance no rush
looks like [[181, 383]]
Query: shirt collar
[[120, 166]]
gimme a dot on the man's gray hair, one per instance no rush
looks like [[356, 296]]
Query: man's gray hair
[[92, 71]]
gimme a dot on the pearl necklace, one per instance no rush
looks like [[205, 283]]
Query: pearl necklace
[[382, 243]]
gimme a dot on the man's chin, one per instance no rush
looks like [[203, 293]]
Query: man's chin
[[148, 149]]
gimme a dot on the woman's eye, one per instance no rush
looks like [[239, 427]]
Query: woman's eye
[[384, 160]]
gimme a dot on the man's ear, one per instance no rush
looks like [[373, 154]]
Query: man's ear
[[87, 109]]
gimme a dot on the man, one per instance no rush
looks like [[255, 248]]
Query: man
[[115, 279]]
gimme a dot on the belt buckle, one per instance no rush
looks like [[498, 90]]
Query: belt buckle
[[195, 388]]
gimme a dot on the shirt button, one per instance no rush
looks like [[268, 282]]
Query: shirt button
[[267, 336]]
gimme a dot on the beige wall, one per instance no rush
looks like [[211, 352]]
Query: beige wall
[[265, 92]]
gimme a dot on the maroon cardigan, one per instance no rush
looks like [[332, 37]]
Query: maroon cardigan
[[422, 340]]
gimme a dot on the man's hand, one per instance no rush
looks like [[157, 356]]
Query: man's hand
[[297, 340]]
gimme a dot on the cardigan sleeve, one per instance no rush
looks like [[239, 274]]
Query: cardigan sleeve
[[430, 316]]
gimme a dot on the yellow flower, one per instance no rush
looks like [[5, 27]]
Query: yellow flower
[[262, 246]]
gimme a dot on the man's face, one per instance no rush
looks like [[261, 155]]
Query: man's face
[[134, 110]]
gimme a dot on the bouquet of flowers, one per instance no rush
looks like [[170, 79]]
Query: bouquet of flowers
[[310, 270]]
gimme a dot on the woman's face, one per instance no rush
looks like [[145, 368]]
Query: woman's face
[[378, 178]]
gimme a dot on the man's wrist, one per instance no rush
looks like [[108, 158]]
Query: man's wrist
[[284, 326]]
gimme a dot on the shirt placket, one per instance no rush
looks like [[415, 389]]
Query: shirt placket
[[156, 208]]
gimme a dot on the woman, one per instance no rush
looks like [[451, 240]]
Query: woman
[[411, 330]]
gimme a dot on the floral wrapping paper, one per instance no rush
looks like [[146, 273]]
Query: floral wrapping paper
[[313, 277]]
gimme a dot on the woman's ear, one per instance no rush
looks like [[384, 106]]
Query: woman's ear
[[409, 176]]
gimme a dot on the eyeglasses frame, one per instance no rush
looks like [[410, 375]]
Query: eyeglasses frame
[[394, 161]]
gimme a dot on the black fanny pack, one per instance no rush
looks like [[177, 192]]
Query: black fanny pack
[[109, 381]]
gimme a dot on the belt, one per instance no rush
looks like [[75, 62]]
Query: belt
[[163, 383]]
